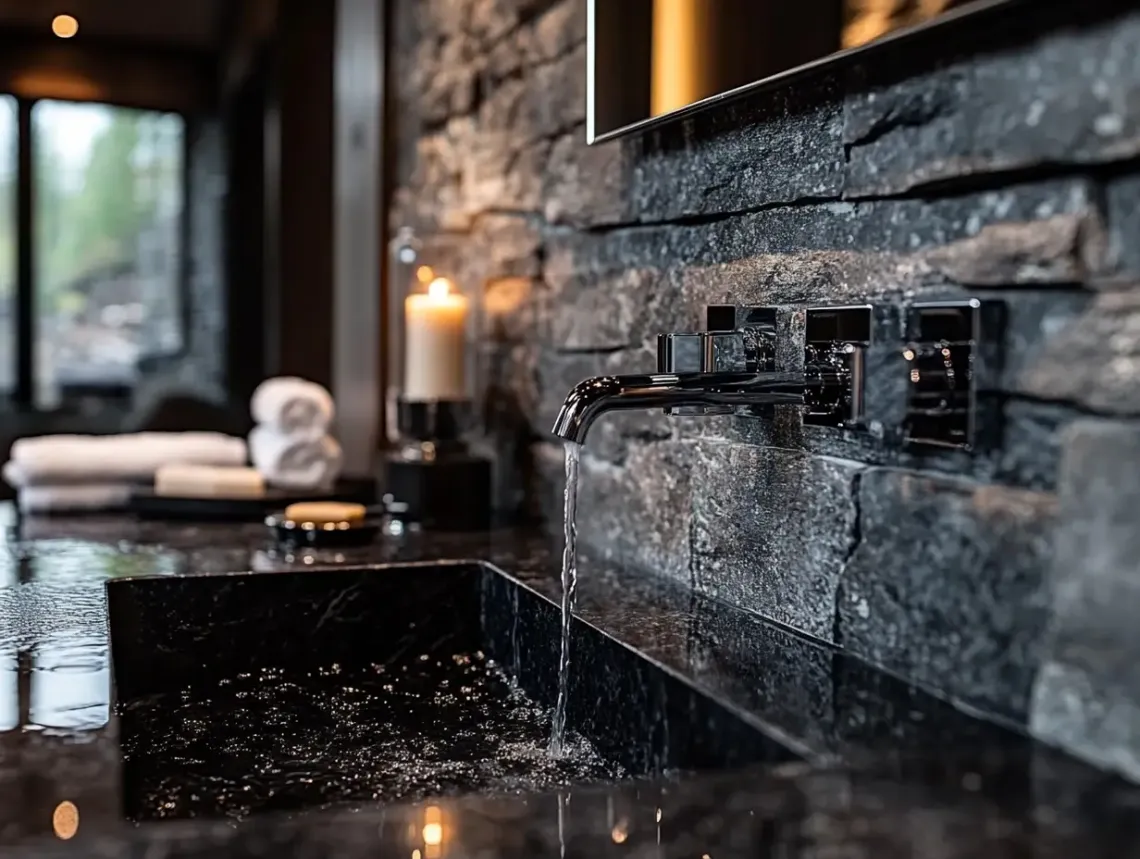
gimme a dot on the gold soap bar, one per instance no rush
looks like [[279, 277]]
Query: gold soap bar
[[324, 512]]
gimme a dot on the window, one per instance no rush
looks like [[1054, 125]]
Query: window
[[108, 207], [7, 244]]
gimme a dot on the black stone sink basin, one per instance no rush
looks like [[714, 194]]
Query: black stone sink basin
[[242, 693]]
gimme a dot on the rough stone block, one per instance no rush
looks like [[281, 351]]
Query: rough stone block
[[1087, 698], [510, 309], [1059, 249], [838, 252], [1094, 362], [1089, 716], [777, 146], [555, 102], [585, 185], [1123, 204], [492, 20], [835, 252], [597, 312], [638, 513], [511, 246], [447, 78], [1032, 320], [558, 31], [1001, 105], [947, 585], [556, 374], [495, 173], [1030, 450], [767, 149], [772, 530]]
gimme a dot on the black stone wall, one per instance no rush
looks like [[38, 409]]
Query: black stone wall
[[997, 159]]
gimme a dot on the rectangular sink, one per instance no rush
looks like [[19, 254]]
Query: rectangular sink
[[252, 692]]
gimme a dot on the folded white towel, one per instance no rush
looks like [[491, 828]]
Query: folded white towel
[[295, 463], [293, 406], [76, 497], [116, 458]]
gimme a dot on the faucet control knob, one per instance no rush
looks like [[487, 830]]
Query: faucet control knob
[[701, 352]]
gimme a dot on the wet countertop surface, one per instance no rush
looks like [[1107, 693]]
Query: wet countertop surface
[[890, 771]]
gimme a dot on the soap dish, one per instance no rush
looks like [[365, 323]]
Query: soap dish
[[360, 532]]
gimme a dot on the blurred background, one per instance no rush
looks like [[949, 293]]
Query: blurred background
[[169, 195]]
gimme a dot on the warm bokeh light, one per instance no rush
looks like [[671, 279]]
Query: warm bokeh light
[[424, 274], [65, 820], [867, 20], [64, 26], [439, 288], [433, 832], [620, 832], [57, 84], [433, 816]]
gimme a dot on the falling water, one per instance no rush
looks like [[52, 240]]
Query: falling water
[[569, 586]]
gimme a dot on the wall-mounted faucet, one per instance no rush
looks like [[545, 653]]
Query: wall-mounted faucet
[[945, 358], [726, 372]]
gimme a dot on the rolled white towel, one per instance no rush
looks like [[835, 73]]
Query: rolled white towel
[[289, 462], [73, 498], [70, 459], [293, 406], [11, 475]]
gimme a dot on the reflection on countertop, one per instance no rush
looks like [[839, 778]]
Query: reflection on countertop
[[894, 772]]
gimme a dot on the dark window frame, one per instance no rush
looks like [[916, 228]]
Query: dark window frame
[[23, 393]]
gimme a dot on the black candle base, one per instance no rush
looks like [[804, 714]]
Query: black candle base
[[434, 420], [451, 492]]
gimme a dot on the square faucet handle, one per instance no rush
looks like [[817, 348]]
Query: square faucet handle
[[701, 352]]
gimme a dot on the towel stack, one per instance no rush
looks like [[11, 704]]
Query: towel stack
[[291, 445], [60, 473]]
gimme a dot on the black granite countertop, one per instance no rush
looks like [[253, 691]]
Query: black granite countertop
[[891, 771]]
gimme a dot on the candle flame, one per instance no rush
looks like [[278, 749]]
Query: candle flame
[[439, 288], [433, 834], [424, 274], [433, 816]]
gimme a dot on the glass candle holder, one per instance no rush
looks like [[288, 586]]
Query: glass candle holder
[[432, 330], [432, 334]]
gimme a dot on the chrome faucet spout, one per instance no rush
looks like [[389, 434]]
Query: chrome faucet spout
[[706, 392], [719, 373]]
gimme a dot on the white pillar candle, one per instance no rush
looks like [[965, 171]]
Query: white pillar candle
[[435, 344]]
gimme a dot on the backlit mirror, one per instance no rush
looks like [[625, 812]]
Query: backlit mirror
[[650, 59]]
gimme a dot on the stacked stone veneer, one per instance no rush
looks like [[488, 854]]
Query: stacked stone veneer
[[998, 159]]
